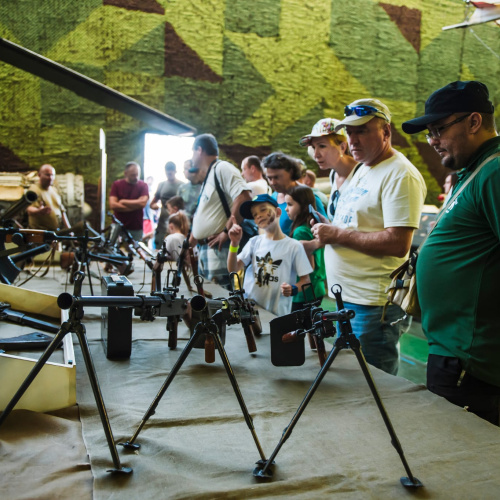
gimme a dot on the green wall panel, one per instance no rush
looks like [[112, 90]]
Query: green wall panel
[[256, 74], [373, 49], [37, 24], [144, 56], [261, 17], [61, 106]]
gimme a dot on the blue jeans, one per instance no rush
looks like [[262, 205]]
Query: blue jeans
[[379, 339]]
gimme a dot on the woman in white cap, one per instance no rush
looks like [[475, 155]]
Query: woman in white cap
[[331, 152]]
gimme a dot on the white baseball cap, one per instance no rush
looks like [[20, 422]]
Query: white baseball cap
[[325, 126], [362, 111]]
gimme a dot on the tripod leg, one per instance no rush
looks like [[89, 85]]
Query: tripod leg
[[239, 397], [410, 481], [151, 411], [81, 334], [89, 277], [65, 328], [262, 470]]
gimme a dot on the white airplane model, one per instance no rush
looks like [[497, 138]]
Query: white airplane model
[[486, 11]]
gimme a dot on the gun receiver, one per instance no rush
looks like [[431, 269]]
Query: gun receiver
[[229, 311]]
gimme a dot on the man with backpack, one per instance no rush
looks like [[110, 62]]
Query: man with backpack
[[221, 195]]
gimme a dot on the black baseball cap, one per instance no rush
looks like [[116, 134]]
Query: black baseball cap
[[245, 209], [456, 97]]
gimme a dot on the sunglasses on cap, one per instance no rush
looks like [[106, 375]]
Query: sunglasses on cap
[[362, 110]]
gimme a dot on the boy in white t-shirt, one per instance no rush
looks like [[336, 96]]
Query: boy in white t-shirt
[[274, 260]]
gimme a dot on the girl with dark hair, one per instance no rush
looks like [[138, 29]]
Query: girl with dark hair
[[298, 200]]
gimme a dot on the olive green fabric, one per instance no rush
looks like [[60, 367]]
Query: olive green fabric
[[197, 445]]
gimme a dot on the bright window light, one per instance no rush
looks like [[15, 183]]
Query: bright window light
[[159, 149]]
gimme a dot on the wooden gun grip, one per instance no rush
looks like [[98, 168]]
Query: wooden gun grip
[[209, 348], [312, 340], [172, 324], [193, 261], [290, 337], [320, 346], [247, 329]]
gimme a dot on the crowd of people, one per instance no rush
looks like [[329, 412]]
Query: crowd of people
[[268, 221]]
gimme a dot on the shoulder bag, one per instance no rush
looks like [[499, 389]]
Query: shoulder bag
[[249, 227], [403, 288]]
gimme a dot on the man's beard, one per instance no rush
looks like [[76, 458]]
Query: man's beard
[[453, 163]]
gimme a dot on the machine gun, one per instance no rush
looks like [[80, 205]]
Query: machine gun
[[227, 311], [186, 260], [20, 318], [322, 326], [135, 248], [161, 303], [29, 242], [26, 200], [288, 333], [9, 258]]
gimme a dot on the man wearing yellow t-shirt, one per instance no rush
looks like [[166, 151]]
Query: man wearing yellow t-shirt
[[47, 212]]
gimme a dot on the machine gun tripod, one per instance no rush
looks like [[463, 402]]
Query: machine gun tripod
[[146, 306], [209, 327], [346, 339]]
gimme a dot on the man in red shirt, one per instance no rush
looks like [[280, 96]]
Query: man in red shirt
[[127, 199]]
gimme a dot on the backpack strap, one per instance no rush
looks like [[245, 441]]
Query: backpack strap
[[455, 196], [221, 194]]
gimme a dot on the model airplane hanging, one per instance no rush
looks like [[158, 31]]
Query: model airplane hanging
[[485, 12]]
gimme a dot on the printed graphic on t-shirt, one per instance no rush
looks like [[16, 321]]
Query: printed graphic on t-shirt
[[266, 268]]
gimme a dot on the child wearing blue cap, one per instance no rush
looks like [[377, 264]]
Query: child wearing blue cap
[[278, 266]]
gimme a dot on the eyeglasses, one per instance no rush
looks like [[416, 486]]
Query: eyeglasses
[[334, 202], [436, 133], [362, 110]]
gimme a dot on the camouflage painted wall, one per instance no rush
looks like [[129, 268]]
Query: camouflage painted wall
[[257, 74]]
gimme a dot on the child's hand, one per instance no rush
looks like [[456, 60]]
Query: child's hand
[[286, 289], [235, 234]]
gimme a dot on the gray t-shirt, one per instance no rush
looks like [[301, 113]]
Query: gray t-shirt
[[272, 263]]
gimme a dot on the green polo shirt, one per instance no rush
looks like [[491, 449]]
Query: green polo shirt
[[458, 273]]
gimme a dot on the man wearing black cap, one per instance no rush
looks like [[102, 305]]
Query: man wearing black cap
[[458, 267]]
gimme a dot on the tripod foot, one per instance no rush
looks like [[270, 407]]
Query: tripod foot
[[408, 483], [122, 470], [130, 446], [260, 472]]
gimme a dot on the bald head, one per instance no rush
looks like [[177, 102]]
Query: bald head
[[46, 175]]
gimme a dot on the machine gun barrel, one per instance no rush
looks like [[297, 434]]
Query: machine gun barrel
[[342, 314], [78, 230], [19, 257], [66, 301], [27, 199]]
